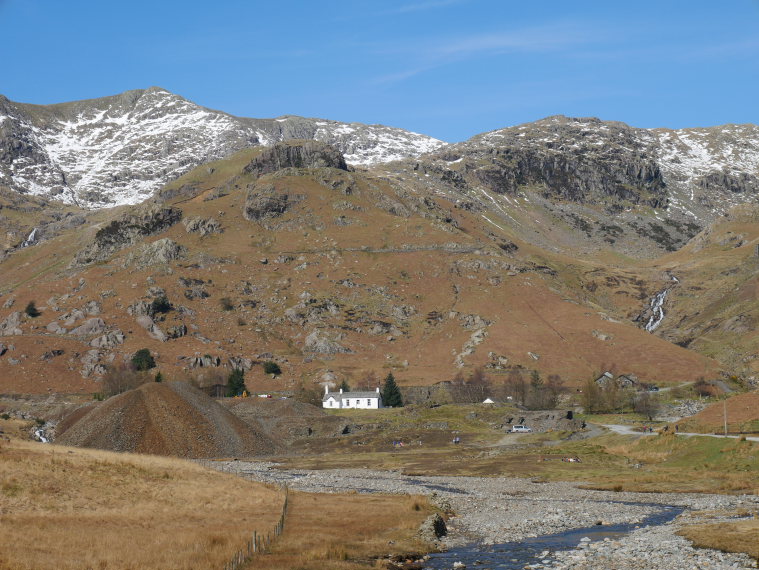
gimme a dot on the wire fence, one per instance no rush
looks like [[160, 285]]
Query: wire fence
[[259, 543]]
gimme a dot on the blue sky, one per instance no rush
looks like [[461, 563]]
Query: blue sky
[[447, 68]]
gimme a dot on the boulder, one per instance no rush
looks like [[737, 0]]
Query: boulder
[[203, 226], [91, 326], [108, 340], [159, 252], [56, 328], [153, 330], [320, 343], [433, 528], [264, 202], [11, 325], [72, 316]]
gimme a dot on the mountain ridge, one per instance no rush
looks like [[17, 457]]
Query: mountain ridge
[[121, 148]]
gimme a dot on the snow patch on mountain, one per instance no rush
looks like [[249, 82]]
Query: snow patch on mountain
[[121, 149]]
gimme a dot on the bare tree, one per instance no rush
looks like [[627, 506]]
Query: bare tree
[[647, 405], [121, 378], [516, 386]]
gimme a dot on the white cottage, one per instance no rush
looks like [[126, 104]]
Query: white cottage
[[359, 400]]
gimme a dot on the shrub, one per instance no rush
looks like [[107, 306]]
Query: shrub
[[161, 305], [272, 368], [226, 304], [143, 360], [31, 310], [159, 377]]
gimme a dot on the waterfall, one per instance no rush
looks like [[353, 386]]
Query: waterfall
[[31, 238], [658, 311], [657, 308]]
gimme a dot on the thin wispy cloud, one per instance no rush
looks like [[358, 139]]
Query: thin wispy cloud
[[431, 54], [420, 6]]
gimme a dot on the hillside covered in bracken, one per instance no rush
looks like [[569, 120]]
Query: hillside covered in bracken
[[565, 247]]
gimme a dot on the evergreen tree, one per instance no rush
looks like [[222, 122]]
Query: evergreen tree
[[272, 368], [159, 377], [31, 310], [143, 360], [236, 383], [391, 395], [344, 386]]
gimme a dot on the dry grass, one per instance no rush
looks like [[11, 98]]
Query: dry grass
[[345, 531], [739, 536], [64, 508]]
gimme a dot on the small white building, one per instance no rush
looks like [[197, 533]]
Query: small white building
[[358, 400]]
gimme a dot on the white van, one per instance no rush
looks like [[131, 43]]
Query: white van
[[520, 429]]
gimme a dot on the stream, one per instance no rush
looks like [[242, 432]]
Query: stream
[[539, 550]]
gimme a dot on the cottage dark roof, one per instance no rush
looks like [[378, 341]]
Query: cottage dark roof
[[338, 395]]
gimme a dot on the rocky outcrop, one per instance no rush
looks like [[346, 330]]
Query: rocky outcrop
[[128, 229], [89, 327], [159, 252], [154, 331], [264, 202], [296, 154], [433, 528], [56, 328], [108, 340], [202, 226], [319, 342], [11, 325], [584, 160]]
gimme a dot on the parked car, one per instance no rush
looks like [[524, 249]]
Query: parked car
[[520, 429]]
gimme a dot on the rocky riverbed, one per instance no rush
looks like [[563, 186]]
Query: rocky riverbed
[[493, 511]]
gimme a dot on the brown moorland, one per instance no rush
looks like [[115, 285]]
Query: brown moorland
[[742, 411], [357, 275], [63, 508]]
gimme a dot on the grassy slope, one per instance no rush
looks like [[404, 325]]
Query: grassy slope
[[742, 416], [72, 508], [66, 508]]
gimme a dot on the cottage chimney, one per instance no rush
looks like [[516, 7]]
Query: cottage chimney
[[326, 389], [377, 389], [341, 390]]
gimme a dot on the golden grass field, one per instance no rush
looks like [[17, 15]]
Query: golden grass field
[[71, 508], [739, 536], [346, 532], [64, 508]]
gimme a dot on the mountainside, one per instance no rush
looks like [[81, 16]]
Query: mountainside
[[582, 185], [285, 254], [565, 246], [120, 149]]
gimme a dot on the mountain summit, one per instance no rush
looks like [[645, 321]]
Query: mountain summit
[[120, 149]]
